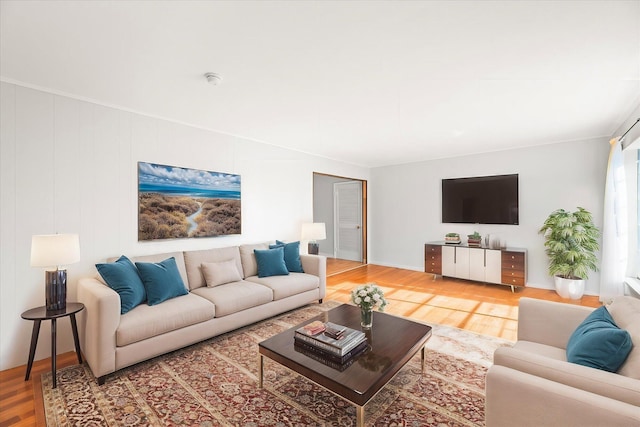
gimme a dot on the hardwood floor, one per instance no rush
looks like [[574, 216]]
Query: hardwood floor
[[482, 308], [479, 307]]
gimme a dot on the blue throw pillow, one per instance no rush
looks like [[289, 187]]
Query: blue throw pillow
[[599, 343], [291, 255], [122, 277], [271, 262], [161, 280]]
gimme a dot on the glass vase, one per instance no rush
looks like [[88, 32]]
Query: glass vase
[[366, 317]]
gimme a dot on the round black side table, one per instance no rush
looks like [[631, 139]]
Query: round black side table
[[38, 315]]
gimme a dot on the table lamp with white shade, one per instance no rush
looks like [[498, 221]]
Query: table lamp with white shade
[[55, 251], [312, 232]]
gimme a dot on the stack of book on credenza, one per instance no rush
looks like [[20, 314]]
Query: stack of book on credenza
[[329, 343]]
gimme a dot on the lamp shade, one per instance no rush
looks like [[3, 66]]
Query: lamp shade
[[313, 231], [53, 250]]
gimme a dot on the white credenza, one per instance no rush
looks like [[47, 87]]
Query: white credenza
[[500, 266]]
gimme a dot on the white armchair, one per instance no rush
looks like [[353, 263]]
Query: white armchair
[[532, 384]]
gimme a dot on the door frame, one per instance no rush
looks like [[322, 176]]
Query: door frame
[[364, 208]]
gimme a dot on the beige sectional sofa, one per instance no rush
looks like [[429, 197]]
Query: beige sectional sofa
[[113, 340], [533, 384]]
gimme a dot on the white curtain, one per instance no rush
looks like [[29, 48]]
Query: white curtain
[[614, 229]]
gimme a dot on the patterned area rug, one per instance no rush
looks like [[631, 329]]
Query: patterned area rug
[[215, 383]]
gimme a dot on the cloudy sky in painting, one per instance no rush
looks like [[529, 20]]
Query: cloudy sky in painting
[[171, 176]]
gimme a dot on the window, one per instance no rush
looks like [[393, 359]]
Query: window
[[632, 171]]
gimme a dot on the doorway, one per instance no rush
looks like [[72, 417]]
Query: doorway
[[341, 203]]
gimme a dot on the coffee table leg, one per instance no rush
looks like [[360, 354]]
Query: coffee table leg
[[422, 359], [359, 416], [260, 371]]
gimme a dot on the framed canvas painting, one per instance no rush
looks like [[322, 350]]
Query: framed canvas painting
[[176, 203]]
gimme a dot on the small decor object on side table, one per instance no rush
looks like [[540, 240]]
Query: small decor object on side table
[[474, 240], [452, 238], [368, 297]]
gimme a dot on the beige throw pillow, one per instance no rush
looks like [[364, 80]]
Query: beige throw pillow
[[219, 273], [625, 311]]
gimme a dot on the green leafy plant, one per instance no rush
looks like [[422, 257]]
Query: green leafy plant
[[474, 236], [571, 242]]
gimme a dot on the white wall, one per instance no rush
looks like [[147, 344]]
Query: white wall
[[405, 213], [71, 166]]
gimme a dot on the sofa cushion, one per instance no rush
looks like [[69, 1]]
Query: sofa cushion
[[234, 297], [193, 261], [291, 255], [161, 280], [271, 262], [122, 276], [248, 258], [219, 273], [147, 321], [597, 342], [286, 286], [549, 351], [159, 257], [625, 311]]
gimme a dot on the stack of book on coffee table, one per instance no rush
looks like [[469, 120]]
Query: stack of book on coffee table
[[329, 343]]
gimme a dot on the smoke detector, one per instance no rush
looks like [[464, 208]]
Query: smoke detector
[[213, 78]]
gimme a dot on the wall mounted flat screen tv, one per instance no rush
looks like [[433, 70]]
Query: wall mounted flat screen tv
[[480, 200]]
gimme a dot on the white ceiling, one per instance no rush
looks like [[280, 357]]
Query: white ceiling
[[366, 82]]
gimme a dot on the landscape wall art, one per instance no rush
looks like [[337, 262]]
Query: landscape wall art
[[176, 203]]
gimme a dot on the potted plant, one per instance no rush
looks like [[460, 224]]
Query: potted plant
[[571, 242]]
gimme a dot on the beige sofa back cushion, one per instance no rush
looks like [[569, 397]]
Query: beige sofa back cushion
[[249, 263], [194, 259], [220, 273], [625, 311], [161, 257]]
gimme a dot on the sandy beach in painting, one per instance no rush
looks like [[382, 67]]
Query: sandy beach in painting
[[164, 216]]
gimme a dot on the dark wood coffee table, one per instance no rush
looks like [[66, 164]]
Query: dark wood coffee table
[[393, 340]]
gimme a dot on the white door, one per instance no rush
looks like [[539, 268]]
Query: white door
[[348, 220]]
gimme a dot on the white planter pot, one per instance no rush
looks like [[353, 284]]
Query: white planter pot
[[569, 288]]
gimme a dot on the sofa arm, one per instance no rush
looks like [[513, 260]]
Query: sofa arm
[[602, 383], [101, 322], [548, 322], [316, 265], [515, 398]]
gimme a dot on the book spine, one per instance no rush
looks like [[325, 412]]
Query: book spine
[[317, 343], [355, 341], [340, 347], [330, 356]]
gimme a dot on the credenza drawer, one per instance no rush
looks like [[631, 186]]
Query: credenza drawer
[[512, 280], [433, 267], [512, 273], [513, 258]]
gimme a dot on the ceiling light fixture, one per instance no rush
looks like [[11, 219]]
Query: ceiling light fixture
[[213, 78]]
